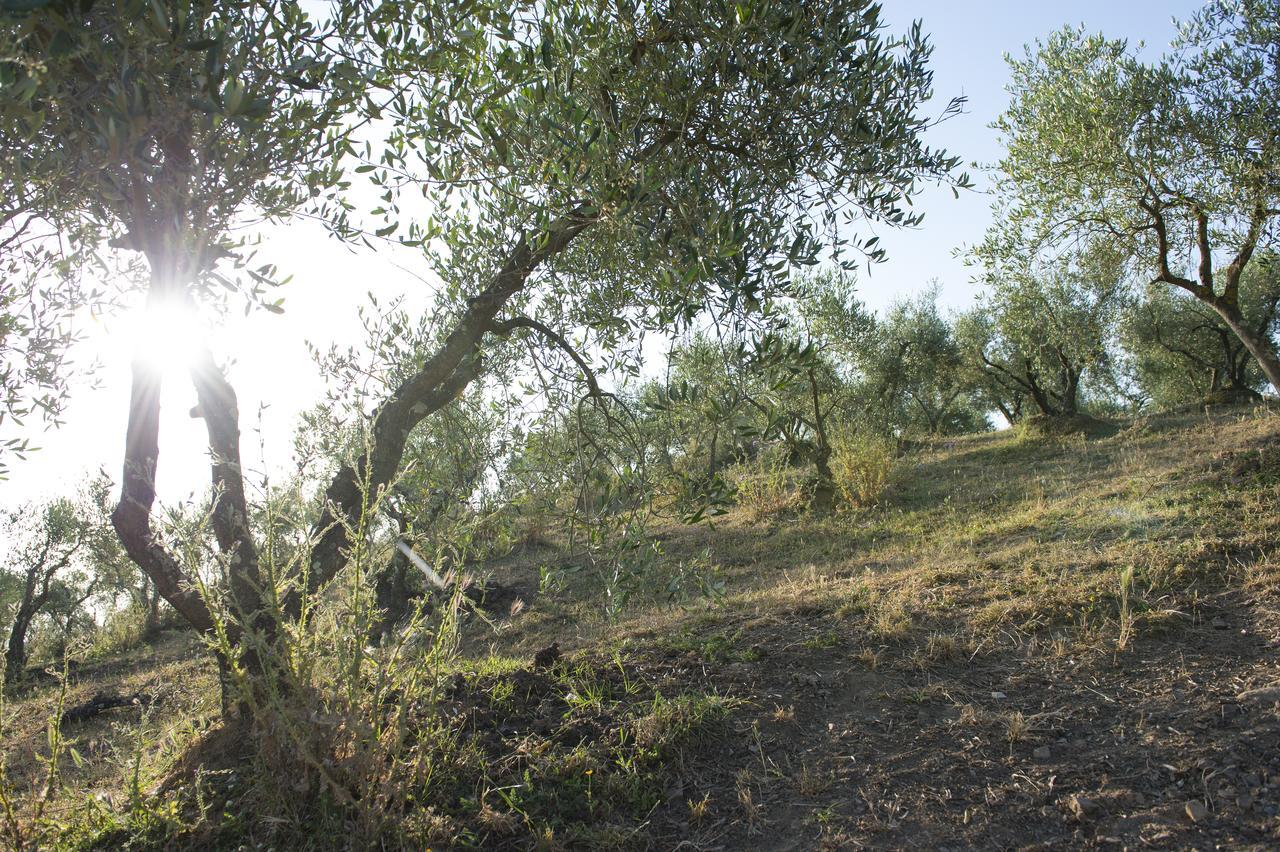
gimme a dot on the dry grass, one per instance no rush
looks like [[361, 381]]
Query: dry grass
[[1048, 549]]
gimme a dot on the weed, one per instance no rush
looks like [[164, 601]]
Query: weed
[[698, 810], [869, 657], [1016, 728], [746, 799], [861, 467], [812, 783], [1126, 613]]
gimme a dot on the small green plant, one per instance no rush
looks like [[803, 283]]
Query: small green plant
[[826, 639], [31, 830], [691, 579], [1126, 609]]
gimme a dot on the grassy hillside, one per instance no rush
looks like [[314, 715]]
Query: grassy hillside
[[1030, 643]]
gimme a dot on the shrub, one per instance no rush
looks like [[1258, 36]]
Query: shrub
[[764, 484], [861, 467]]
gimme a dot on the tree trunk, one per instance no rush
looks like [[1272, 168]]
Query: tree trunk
[[393, 595], [1261, 348], [1071, 394], [230, 513], [824, 489], [15, 656], [441, 378], [711, 465], [1041, 400]]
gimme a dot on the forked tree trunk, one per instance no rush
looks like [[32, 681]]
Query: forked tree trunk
[[229, 512], [1262, 349]]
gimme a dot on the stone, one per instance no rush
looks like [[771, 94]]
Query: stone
[[1042, 754], [1264, 695], [1083, 807], [1196, 811]]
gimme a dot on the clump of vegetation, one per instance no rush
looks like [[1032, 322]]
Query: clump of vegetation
[[766, 486], [862, 468]]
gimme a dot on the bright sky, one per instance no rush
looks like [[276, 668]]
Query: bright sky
[[275, 377]]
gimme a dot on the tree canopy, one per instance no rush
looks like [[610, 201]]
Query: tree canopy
[[1175, 160]]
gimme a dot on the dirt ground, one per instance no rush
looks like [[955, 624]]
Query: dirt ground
[[1031, 644]]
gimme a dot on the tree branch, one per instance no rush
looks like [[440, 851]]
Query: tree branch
[[504, 328], [1231, 289], [442, 377], [1162, 252]]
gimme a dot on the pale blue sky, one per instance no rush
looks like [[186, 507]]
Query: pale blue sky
[[970, 40], [274, 375]]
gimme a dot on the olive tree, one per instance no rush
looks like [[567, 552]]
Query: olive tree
[[619, 169], [913, 370], [1177, 160], [46, 540], [1182, 351], [54, 551], [1047, 325], [626, 170], [153, 130]]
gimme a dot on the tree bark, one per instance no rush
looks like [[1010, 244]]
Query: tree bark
[[15, 656], [443, 376], [1262, 349]]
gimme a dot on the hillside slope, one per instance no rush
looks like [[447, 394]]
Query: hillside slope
[[1032, 643]]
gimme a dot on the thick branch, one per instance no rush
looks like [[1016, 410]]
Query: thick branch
[[443, 376], [1205, 250], [1231, 288], [132, 516], [1162, 253]]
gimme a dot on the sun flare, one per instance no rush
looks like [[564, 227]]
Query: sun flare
[[169, 336]]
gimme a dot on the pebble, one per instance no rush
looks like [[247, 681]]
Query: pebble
[[1083, 807], [1042, 753], [1196, 811]]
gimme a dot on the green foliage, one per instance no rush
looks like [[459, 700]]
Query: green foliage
[[561, 104], [1183, 352], [1046, 331], [912, 372], [862, 466]]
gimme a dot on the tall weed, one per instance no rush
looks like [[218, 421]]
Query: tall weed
[[764, 484], [862, 467]]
